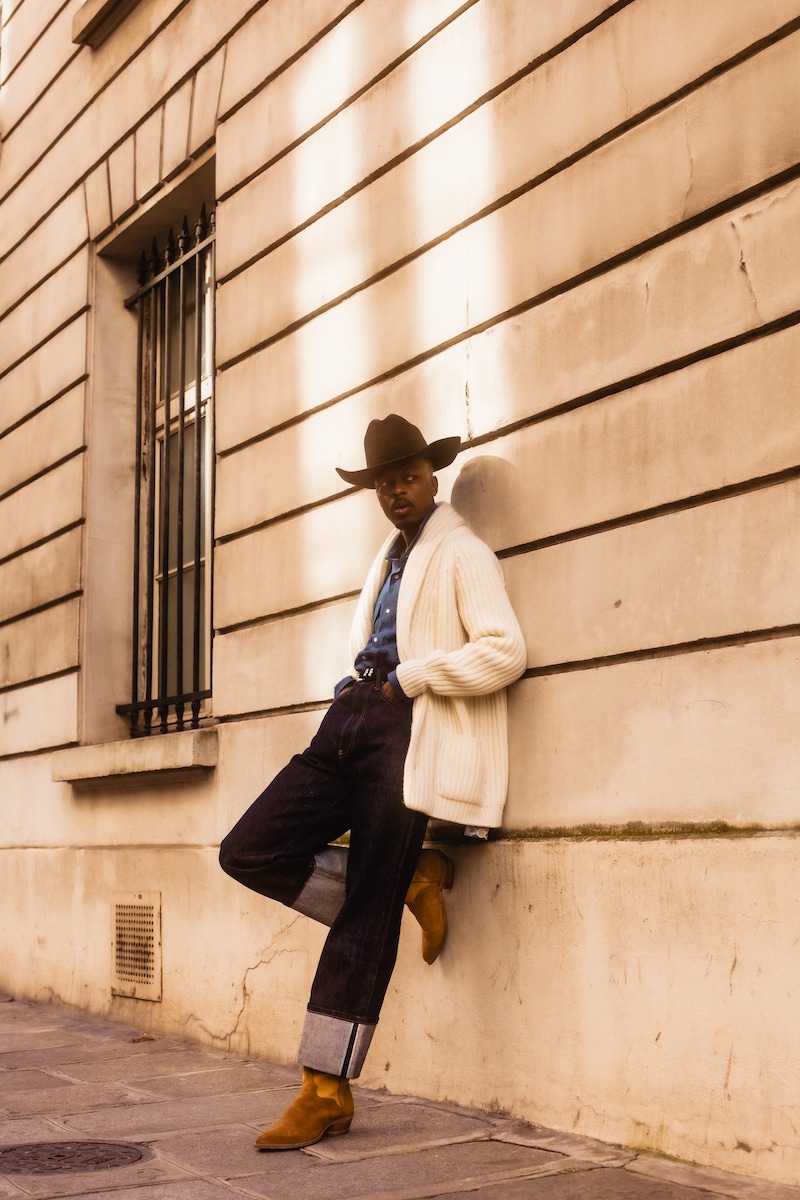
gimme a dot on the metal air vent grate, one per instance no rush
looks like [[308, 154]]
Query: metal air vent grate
[[136, 962]]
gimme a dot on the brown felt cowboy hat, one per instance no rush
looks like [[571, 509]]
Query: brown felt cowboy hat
[[392, 441]]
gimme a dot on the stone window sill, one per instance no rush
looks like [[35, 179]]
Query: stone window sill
[[95, 20], [159, 759]]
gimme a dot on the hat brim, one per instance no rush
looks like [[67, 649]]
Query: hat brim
[[440, 454]]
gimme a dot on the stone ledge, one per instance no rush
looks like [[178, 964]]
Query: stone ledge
[[161, 758], [96, 19]]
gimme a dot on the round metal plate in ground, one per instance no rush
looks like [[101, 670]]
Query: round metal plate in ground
[[41, 1158]]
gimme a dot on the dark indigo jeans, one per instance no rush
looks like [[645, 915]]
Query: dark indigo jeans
[[349, 778]]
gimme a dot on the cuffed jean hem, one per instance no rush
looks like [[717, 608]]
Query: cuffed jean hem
[[323, 893], [334, 1046]]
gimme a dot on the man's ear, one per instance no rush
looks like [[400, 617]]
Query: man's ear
[[435, 483]]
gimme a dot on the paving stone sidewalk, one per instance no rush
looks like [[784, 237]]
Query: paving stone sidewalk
[[192, 1113]]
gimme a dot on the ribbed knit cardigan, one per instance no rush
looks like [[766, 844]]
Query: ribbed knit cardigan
[[459, 645]]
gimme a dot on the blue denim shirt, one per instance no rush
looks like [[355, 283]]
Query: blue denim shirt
[[380, 652]]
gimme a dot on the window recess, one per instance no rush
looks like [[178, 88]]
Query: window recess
[[171, 658]]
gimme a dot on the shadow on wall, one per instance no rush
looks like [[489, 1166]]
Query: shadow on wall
[[488, 495]]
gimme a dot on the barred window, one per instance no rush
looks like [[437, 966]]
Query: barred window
[[171, 660]]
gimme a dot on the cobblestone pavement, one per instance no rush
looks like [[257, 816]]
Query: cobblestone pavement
[[185, 1117]]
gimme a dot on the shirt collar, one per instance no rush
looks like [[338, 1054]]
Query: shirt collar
[[398, 551]]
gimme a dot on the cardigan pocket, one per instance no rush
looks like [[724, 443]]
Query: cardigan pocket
[[459, 768]]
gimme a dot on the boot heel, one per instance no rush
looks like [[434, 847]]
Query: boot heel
[[447, 873], [339, 1126]]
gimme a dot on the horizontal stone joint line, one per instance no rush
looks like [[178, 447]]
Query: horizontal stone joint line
[[278, 710], [42, 279], [284, 66], [698, 500], [42, 541], [698, 646], [300, 511], [605, 392], [40, 608], [81, 112], [37, 752], [421, 143], [271, 618], [26, 683], [562, 165], [36, 40], [40, 408], [70, 320], [559, 289], [48, 470], [669, 367], [120, 141], [366, 87]]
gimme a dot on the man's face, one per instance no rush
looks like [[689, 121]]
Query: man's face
[[406, 493]]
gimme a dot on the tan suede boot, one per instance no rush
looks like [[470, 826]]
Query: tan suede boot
[[325, 1105], [424, 897]]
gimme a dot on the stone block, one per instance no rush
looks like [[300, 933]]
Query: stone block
[[495, 148], [384, 1127], [303, 657], [715, 570], [333, 254], [56, 366], [121, 164], [333, 69], [705, 737], [42, 575], [205, 104], [23, 27], [51, 304], [534, 244], [148, 139], [113, 815], [39, 716], [268, 478], [45, 439], [415, 1165], [251, 754], [297, 562], [177, 111], [39, 645], [149, 1120], [268, 41], [43, 507], [98, 109], [437, 385], [629, 452], [632, 447], [46, 247], [616, 982], [38, 44]]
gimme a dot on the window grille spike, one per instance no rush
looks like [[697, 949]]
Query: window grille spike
[[184, 239], [155, 259], [201, 228], [143, 270], [171, 252], [212, 221]]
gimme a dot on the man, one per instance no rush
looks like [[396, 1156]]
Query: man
[[418, 729]]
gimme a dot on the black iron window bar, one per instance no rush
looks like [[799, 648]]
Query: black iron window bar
[[171, 653]]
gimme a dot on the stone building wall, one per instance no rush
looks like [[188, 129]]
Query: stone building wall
[[567, 232]]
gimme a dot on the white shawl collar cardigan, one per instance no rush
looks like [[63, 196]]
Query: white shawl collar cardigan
[[459, 645]]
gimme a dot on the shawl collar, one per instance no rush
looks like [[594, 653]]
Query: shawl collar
[[444, 520]]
